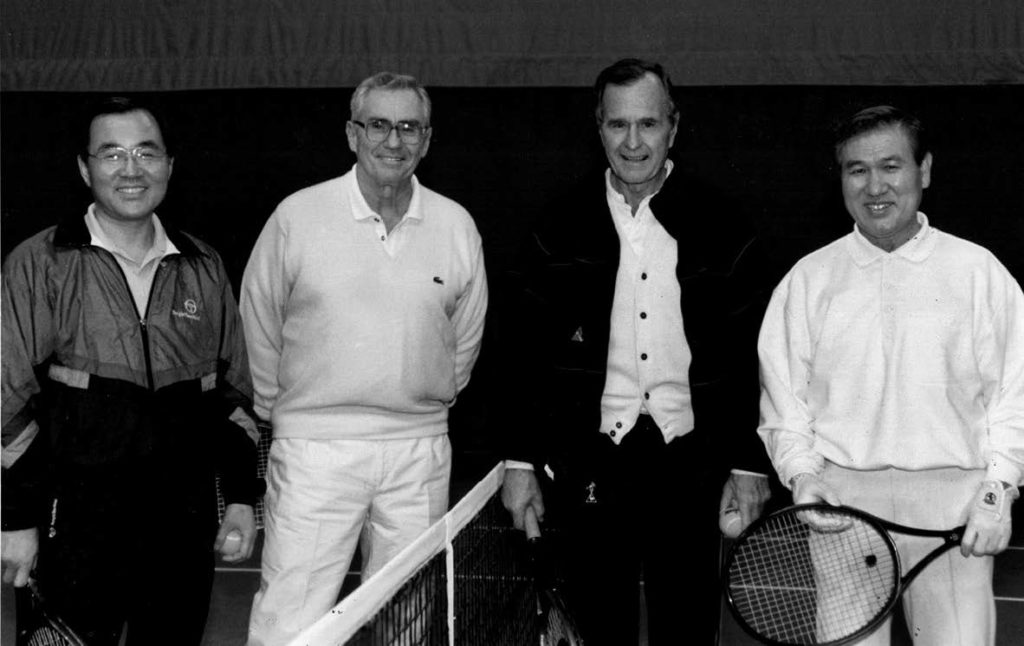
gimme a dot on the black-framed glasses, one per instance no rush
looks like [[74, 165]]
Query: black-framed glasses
[[378, 130], [118, 156]]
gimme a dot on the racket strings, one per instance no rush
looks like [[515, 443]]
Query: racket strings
[[47, 636], [36, 625], [557, 625], [560, 629], [801, 580]]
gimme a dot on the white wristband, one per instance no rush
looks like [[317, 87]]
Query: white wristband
[[995, 497]]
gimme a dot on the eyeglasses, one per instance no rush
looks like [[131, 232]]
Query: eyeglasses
[[378, 130], [118, 156]]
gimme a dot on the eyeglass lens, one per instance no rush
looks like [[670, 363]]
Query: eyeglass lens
[[378, 130]]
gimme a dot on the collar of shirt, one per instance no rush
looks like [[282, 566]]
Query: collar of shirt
[[916, 249], [632, 228], [162, 246], [361, 209], [617, 200]]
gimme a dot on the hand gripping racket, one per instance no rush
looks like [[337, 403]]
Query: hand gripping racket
[[37, 624], [556, 626], [820, 574]]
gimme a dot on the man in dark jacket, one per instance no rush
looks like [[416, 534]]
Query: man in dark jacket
[[125, 389], [636, 338]]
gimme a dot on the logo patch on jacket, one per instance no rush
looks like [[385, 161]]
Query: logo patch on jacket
[[190, 308], [578, 335]]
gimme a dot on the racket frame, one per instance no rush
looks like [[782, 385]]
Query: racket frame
[[950, 538]]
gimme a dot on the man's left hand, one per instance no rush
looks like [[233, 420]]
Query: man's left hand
[[988, 520], [748, 493], [241, 519]]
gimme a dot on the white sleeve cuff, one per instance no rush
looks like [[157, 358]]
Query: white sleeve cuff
[[743, 472], [516, 464]]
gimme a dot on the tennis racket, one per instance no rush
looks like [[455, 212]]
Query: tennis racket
[[262, 451], [820, 574], [556, 626], [37, 624]]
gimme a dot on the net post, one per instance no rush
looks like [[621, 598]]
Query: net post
[[449, 564]]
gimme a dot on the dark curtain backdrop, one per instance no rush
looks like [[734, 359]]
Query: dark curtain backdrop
[[74, 45], [505, 152]]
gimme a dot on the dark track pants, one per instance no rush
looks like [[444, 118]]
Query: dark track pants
[[120, 555]]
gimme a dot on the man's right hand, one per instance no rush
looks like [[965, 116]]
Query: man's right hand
[[18, 551], [810, 488], [520, 490]]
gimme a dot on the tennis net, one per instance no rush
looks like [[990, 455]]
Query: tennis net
[[464, 582]]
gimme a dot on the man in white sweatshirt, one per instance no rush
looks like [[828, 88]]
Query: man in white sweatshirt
[[892, 371], [363, 303]]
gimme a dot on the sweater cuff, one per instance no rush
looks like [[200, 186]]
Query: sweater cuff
[[518, 464], [14, 520], [1003, 470], [245, 492]]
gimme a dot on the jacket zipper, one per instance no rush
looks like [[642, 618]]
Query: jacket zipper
[[145, 351], [143, 325]]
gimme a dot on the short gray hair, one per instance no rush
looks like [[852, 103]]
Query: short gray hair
[[389, 81]]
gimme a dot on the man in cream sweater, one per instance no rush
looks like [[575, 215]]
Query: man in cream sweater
[[892, 364], [363, 302]]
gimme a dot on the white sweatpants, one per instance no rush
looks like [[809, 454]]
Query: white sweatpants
[[950, 603], [323, 498]]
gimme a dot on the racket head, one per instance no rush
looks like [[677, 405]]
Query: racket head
[[555, 623], [557, 626], [812, 574], [36, 624]]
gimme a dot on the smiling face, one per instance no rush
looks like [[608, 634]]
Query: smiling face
[[637, 133], [128, 191], [883, 185], [391, 162]]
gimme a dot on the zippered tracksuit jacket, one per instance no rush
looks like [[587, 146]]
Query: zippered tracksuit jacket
[[114, 426]]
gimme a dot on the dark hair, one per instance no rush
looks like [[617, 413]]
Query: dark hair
[[628, 71], [876, 118], [120, 105]]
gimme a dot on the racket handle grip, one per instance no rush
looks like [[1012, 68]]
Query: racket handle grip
[[730, 522], [530, 523]]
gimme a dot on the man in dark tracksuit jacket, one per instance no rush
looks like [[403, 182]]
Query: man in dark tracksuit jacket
[[125, 389], [643, 498]]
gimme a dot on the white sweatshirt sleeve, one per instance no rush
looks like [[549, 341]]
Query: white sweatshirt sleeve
[[784, 350], [468, 319], [262, 305], [1000, 354]]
